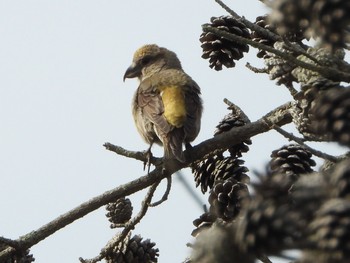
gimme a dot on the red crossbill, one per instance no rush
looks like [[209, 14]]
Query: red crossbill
[[166, 107]]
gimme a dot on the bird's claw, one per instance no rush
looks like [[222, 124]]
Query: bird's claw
[[147, 163]]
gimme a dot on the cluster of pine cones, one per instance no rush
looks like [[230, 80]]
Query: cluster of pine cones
[[291, 206]]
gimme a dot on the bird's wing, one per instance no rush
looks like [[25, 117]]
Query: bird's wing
[[150, 101], [194, 110]]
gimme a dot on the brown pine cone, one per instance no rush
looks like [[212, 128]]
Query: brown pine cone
[[338, 177], [264, 22], [330, 21], [227, 197], [134, 250], [265, 227], [203, 172], [119, 212], [291, 160], [230, 121], [205, 221], [291, 15], [219, 50], [331, 114], [329, 232]]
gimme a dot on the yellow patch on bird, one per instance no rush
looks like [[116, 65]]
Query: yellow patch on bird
[[174, 105]]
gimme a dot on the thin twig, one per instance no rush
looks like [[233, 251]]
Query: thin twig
[[255, 69], [141, 156], [291, 90], [227, 9], [128, 227], [301, 142], [165, 195]]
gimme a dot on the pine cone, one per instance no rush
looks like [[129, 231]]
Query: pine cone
[[331, 114], [203, 172], [264, 227], [227, 197], [119, 212], [339, 179], [327, 19], [257, 37], [274, 186], [263, 22], [205, 221], [133, 250], [216, 245], [291, 15], [231, 168], [331, 21], [230, 121], [216, 168], [329, 232], [291, 160], [221, 51], [301, 111]]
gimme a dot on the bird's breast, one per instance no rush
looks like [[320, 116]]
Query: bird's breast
[[174, 105]]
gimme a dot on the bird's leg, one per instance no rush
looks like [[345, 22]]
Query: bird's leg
[[149, 156]]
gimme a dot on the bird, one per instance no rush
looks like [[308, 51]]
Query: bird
[[167, 105]]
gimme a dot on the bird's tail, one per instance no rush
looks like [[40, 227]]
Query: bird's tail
[[173, 146]]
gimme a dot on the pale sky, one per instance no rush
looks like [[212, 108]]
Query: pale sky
[[62, 96]]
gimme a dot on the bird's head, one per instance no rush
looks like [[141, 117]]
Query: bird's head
[[150, 59]]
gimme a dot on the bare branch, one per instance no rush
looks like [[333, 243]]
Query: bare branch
[[141, 156], [227, 9], [166, 194]]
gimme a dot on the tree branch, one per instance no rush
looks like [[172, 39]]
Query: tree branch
[[165, 195], [328, 72], [279, 117]]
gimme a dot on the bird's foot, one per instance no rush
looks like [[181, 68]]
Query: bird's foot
[[147, 163]]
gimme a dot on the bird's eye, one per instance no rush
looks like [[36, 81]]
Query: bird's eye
[[144, 61]]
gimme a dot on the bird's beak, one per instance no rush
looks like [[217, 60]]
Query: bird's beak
[[132, 72]]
